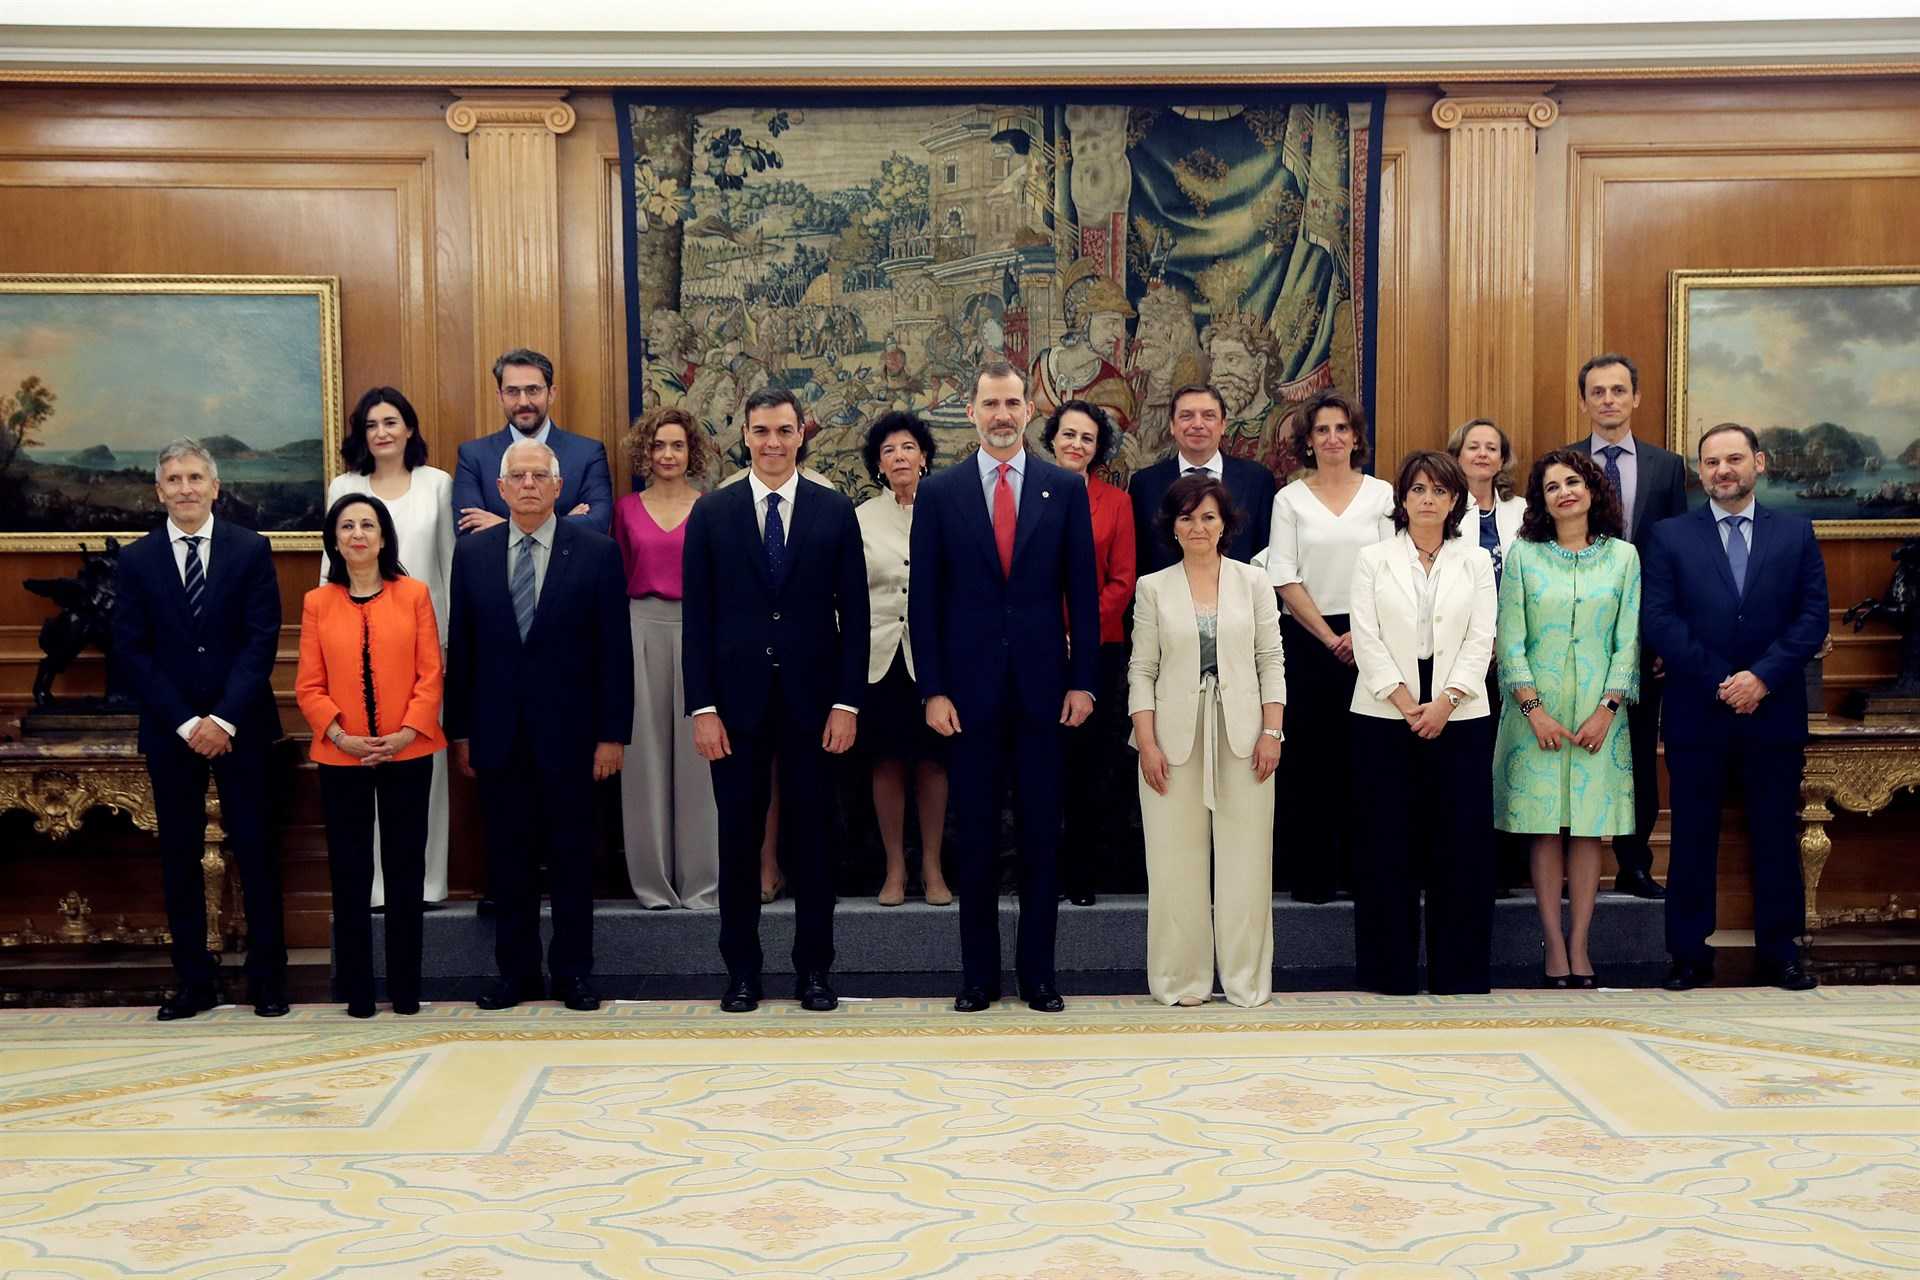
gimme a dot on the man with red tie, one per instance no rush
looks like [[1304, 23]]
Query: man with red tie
[[999, 540]]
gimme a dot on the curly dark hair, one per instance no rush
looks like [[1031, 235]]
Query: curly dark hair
[[1303, 426], [1188, 492], [646, 429], [1439, 469], [1603, 519], [885, 425], [353, 446], [1105, 436]]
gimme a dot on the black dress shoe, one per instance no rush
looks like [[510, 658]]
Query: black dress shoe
[[814, 993], [484, 906], [577, 994], [1685, 975], [361, 1008], [505, 993], [743, 996], [1080, 899], [975, 999], [186, 1002], [406, 1008], [1639, 884], [1790, 976], [270, 1000], [1042, 998]]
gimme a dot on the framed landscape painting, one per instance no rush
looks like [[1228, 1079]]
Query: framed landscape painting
[[1825, 366], [99, 373]]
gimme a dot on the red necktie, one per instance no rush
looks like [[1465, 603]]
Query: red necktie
[[1004, 519]]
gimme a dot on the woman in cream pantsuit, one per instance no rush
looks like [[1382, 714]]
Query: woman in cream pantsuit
[[1422, 612], [1207, 690]]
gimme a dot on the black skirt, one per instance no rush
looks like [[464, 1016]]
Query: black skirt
[[893, 723]]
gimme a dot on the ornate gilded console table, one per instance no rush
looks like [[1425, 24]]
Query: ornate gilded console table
[[1853, 766], [59, 780]]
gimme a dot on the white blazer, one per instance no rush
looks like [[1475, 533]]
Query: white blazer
[[1506, 519], [1385, 615], [1163, 674]]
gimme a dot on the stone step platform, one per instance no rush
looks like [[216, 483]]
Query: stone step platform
[[914, 949]]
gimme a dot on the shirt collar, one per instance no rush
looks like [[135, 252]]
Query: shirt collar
[[1600, 442], [786, 491], [540, 436], [1213, 466], [988, 463], [1720, 513], [543, 535], [175, 532]]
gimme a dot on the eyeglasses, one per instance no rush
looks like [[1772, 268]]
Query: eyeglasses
[[522, 477]]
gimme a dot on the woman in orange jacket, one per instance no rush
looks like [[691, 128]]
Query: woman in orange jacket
[[369, 685]]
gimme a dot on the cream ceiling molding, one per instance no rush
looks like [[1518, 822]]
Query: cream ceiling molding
[[626, 57]]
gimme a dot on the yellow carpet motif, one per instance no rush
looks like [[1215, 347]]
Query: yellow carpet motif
[[1715, 1135]]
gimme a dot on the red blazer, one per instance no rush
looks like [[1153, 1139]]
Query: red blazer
[[1113, 552], [407, 670]]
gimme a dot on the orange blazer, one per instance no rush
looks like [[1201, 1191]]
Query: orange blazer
[[407, 672]]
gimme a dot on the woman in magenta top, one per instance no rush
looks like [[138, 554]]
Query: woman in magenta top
[[666, 789]]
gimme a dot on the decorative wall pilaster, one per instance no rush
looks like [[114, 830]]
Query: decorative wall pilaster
[[1490, 249], [513, 180]]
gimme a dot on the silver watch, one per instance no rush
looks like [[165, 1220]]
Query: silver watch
[[1454, 699], [1275, 734]]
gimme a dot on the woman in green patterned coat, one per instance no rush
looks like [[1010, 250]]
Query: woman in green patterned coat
[[1568, 641]]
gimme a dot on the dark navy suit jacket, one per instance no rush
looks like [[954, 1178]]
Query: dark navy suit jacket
[[1251, 486], [1705, 631], [220, 665], [1659, 489], [569, 685], [971, 624], [738, 623], [583, 477]]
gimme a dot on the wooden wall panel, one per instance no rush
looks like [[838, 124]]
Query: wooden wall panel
[[593, 317], [1409, 408]]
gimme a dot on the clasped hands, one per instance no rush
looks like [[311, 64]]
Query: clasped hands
[[1742, 691], [376, 749], [1551, 734], [1426, 719]]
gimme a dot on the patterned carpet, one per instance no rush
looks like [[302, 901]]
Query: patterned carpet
[[1716, 1135]]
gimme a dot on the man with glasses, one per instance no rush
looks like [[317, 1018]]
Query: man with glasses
[[539, 707], [525, 380]]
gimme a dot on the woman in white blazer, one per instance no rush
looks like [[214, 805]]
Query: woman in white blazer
[[1207, 690], [1423, 612]]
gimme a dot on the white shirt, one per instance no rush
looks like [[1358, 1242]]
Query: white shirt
[[787, 493], [542, 551], [177, 539], [990, 475], [538, 437], [1309, 545], [1212, 466], [1423, 585]]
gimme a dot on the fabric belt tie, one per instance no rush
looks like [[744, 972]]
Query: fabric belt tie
[[1209, 735]]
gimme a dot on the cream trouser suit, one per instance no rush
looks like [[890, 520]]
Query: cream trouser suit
[[1214, 810]]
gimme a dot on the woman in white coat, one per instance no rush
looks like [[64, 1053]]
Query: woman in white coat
[[1207, 690], [1422, 612], [386, 456]]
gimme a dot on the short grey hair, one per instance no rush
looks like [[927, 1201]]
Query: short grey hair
[[185, 447], [553, 459]]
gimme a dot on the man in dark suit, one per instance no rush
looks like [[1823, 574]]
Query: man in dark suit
[[774, 657], [1652, 485], [1199, 420], [1734, 598], [525, 380], [196, 623], [539, 707], [999, 541]]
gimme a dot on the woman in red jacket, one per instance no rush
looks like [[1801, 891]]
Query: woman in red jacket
[[1081, 437], [369, 684]]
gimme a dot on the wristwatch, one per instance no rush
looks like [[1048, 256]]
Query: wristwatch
[[1526, 707], [1454, 699], [1611, 704], [1275, 734]]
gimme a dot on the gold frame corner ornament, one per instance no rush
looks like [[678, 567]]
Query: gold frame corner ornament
[[325, 290], [1681, 282]]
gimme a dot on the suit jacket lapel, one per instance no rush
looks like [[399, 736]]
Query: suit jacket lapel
[[1759, 544], [798, 515], [559, 561], [973, 510], [1645, 463], [1403, 568], [493, 580], [747, 523], [218, 568], [1709, 534], [1036, 492]]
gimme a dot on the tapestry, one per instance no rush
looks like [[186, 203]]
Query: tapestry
[[869, 253]]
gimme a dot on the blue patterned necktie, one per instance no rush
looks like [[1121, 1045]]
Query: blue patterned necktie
[[1737, 552], [196, 574], [522, 587], [776, 540], [1613, 452]]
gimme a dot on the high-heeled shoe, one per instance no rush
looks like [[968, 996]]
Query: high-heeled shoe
[[1555, 981], [1582, 981]]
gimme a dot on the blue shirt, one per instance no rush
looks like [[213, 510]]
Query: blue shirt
[[1629, 464], [990, 476]]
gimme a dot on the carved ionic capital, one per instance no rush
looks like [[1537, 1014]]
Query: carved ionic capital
[[1526, 103], [478, 109]]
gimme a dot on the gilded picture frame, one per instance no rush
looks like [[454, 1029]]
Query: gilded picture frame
[[99, 372], [1824, 364]]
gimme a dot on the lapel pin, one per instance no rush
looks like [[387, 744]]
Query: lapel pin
[[1046, 493]]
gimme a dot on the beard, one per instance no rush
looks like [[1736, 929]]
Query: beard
[[1238, 391]]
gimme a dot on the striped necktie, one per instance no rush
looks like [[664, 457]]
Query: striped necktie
[[196, 575], [521, 587]]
